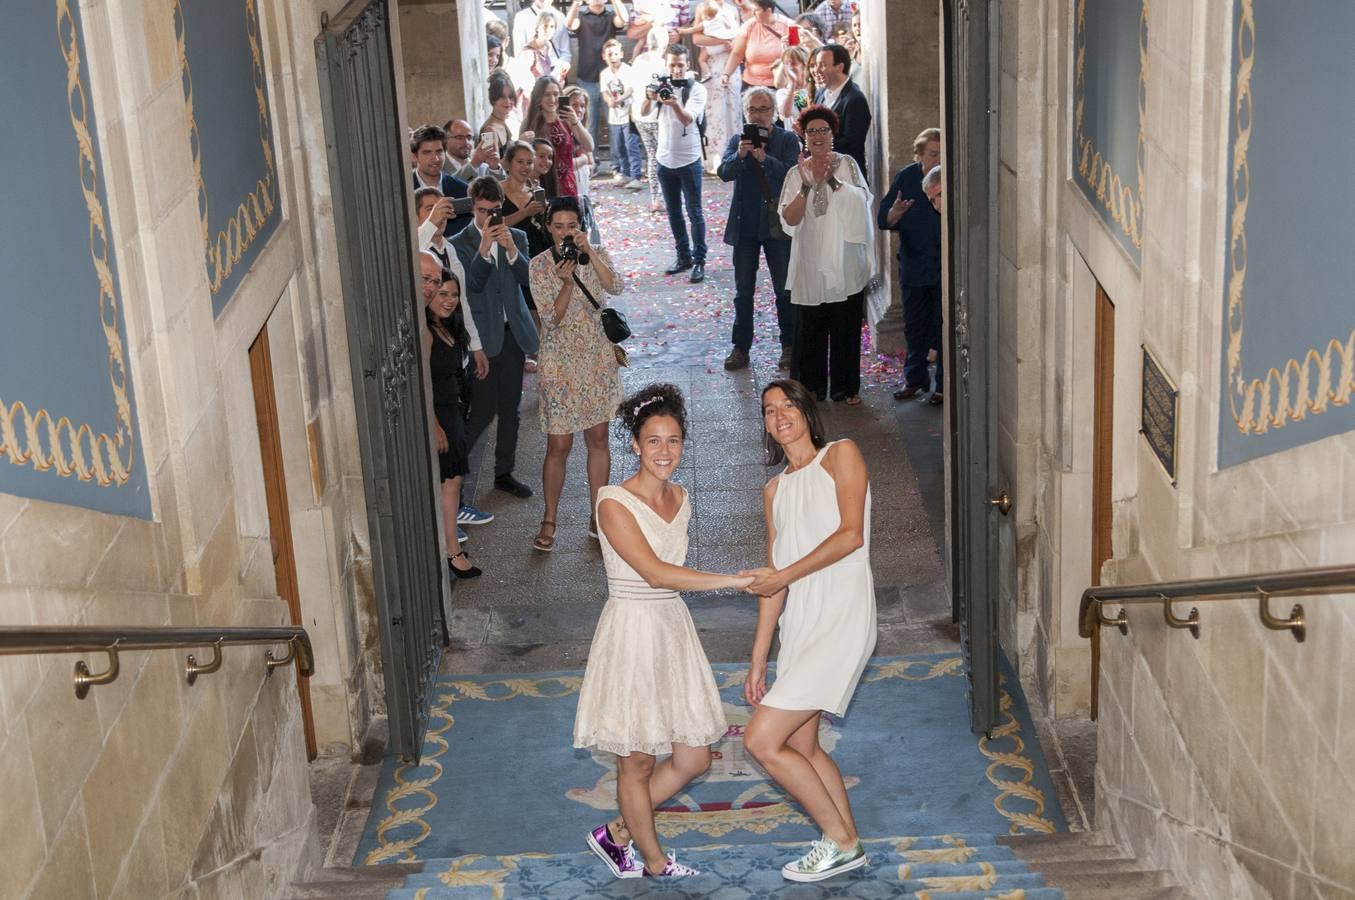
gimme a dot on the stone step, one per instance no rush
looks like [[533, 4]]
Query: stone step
[[356, 883], [1133, 885]]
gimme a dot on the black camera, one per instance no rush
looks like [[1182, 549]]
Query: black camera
[[570, 251], [756, 134], [665, 85]]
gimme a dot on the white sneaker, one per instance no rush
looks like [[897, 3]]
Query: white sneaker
[[636, 185], [620, 179]]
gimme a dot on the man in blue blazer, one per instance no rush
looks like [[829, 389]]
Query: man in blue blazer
[[832, 68], [427, 150], [758, 169], [494, 258]]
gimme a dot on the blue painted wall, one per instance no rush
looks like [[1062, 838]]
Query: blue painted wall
[[1289, 314], [231, 134], [1109, 37], [68, 429]]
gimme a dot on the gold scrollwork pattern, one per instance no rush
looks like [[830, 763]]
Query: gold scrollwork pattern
[[236, 237], [1122, 202], [36, 437], [1325, 376], [1013, 759]]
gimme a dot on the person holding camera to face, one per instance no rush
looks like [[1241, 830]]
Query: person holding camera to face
[[682, 103], [757, 162], [577, 373], [494, 258]]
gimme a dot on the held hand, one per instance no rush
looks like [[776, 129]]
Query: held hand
[[503, 237], [755, 682], [527, 136], [765, 582], [581, 241], [441, 211], [760, 153], [442, 438], [479, 155], [740, 582], [806, 170], [535, 208], [481, 364], [487, 241], [568, 116], [744, 148], [564, 269]]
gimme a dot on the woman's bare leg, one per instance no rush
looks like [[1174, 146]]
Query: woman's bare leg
[[553, 474], [668, 777], [633, 775], [599, 463], [805, 741], [767, 739], [451, 504]]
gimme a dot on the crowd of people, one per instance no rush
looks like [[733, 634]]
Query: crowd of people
[[516, 278]]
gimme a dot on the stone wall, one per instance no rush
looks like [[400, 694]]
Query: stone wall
[[1217, 759], [151, 787]]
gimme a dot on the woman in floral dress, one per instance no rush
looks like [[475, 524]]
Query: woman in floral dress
[[577, 367]]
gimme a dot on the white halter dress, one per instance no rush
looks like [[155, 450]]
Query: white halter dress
[[828, 622], [648, 683]]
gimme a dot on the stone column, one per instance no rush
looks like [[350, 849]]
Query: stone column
[[903, 81], [440, 62]]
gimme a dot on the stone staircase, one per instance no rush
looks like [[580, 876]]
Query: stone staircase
[[1066, 866]]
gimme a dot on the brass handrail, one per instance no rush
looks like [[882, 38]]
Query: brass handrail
[[21, 639], [1292, 582]]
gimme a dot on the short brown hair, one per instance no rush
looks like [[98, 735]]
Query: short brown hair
[[425, 134], [486, 187]]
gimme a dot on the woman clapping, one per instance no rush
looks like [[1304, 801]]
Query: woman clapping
[[826, 208]]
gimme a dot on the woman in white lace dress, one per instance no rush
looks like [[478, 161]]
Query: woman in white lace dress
[[648, 688]]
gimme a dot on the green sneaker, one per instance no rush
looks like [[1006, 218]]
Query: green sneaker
[[824, 860]]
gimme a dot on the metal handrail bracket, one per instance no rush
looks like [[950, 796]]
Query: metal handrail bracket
[[21, 640], [1091, 617]]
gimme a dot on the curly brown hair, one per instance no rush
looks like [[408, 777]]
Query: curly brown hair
[[817, 111], [648, 402]]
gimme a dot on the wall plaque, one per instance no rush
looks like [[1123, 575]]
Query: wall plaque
[[1158, 417]]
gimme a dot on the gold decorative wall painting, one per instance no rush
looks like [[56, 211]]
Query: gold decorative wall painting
[[230, 135], [67, 417]]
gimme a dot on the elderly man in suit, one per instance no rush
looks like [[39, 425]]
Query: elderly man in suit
[[832, 66], [495, 258], [758, 167]]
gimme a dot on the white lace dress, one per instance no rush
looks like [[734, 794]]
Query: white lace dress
[[648, 683]]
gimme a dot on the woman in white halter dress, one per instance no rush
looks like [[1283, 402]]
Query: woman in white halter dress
[[648, 688], [818, 590]]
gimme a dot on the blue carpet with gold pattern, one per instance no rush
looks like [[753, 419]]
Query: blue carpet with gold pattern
[[499, 776]]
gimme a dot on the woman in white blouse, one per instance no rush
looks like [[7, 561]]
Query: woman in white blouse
[[826, 209]]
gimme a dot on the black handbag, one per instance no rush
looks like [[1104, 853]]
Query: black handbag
[[614, 324]]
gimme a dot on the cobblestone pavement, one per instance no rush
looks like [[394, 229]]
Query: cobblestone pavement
[[534, 611]]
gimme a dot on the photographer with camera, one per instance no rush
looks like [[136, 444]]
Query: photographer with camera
[[577, 370], [757, 162], [682, 103], [494, 258]]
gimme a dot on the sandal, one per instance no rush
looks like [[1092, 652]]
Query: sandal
[[854, 400], [543, 543]]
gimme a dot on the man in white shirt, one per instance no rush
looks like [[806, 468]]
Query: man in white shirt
[[524, 26], [681, 104]]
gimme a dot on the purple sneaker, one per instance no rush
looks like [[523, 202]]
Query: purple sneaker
[[619, 859], [674, 869]]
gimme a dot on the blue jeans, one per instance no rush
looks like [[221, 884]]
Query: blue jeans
[[745, 282], [682, 186], [627, 157]]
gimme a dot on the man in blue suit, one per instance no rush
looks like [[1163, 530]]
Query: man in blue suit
[[427, 150], [758, 168], [494, 258]]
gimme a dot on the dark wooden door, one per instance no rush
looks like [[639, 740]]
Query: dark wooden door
[[970, 191], [1103, 417], [369, 187], [279, 518]]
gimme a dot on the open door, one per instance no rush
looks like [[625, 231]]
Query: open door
[[977, 498], [279, 517]]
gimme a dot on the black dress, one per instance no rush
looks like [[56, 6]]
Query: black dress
[[446, 369], [537, 239]]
